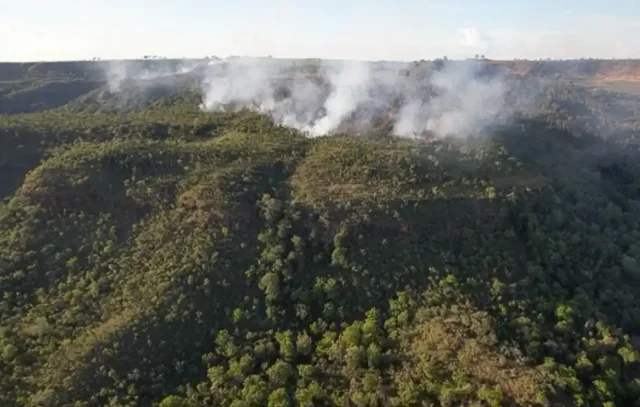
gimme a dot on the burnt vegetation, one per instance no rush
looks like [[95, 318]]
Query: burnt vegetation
[[154, 254]]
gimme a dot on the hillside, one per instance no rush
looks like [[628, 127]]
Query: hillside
[[607, 70], [152, 254]]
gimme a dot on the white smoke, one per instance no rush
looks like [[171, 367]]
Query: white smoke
[[120, 74], [443, 98], [453, 100], [411, 119], [350, 90], [463, 104], [240, 84]]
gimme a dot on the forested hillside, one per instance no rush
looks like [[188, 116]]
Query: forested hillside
[[152, 254]]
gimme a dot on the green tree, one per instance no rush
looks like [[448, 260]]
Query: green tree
[[279, 398]]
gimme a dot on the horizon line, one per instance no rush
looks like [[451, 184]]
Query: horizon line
[[236, 57]]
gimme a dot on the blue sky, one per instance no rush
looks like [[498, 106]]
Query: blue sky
[[354, 29]]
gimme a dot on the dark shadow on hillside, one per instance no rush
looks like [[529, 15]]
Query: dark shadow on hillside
[[368, 260], [44, 95], [165, 345], [13, 168]]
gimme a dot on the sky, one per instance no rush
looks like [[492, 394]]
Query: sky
[[42, 30]]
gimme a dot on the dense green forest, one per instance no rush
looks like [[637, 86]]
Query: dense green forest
[[152, 254]]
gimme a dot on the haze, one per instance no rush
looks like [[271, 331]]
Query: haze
[[392, 30]]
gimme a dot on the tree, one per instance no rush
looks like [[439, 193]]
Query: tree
[[173, 401], [279, 398], [280, 372]]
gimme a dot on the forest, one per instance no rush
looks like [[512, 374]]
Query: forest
[[154, 254]]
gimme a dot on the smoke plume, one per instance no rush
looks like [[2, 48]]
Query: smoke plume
[[442, 98], [120, 74], [463, 103], [456, 99]]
